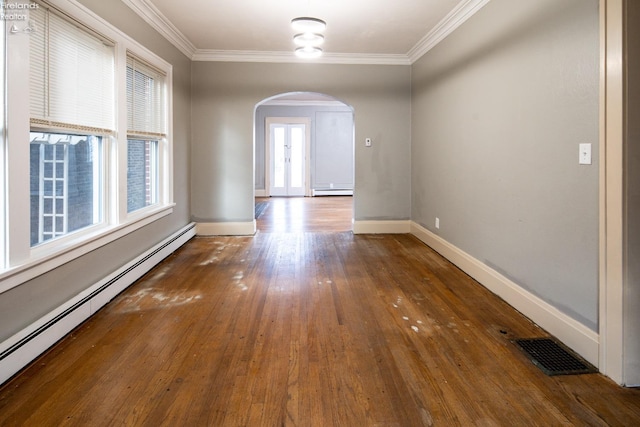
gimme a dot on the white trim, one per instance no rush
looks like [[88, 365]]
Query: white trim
[[226, 228], [261, 193], [16, 155], [66, 249], [463, 11], [571, 332], [152, 16], [381, 227], [82, 306], [612, 237], [217, 55], [3, 147]]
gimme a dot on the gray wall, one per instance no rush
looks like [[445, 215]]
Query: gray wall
[[499, 108], [632, 183], [332, 153], [331, 145], [225, 95], [26, 303]]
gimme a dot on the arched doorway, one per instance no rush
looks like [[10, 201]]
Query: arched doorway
[[304, 152]]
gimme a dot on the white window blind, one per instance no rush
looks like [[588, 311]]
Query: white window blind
[[145, 100], [71, 76]]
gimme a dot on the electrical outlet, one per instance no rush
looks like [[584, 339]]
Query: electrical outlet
[[437, 223], [367, 142]]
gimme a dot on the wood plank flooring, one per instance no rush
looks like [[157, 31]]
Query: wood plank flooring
[[312, 214], [305, 328]]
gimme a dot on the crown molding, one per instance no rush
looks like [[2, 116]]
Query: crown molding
[[152, 16], [463, 11], [290, 57]]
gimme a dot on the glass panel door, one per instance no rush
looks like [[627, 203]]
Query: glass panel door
[[287, 159]]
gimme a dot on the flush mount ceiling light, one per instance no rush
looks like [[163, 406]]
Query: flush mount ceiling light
[[308, 52], [309, 36], [306, 24], [308, 39]]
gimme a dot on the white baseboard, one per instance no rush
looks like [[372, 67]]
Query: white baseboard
[[572, 333], [19, 350], [260, 193], [226, 228], [381, 227]]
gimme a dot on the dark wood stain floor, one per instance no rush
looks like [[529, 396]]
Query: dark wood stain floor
[[307, 326]]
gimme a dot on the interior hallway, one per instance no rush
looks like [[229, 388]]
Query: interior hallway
[[297, 326]]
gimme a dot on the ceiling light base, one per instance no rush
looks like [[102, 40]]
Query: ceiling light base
[[307, 24]]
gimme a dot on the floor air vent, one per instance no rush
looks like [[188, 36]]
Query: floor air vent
[[553, 358]]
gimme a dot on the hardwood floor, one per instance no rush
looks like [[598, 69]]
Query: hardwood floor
[[312, 214], [311, 329]]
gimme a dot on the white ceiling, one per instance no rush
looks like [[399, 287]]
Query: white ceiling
[[383, 31]]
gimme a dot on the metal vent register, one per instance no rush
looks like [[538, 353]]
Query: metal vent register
[[553, 358]]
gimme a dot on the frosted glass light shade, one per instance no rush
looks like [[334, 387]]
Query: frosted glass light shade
[[308, 25], [308, 39], [308, 52]]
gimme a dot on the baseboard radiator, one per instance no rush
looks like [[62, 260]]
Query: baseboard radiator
[[332, 192], [26, 345]]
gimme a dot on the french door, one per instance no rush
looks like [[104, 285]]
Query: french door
[[288, 161]]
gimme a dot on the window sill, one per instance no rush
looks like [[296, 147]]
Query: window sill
[[51, 256]]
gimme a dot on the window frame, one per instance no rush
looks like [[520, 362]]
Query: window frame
[[148, 134], [3, 145], [99, 197], [23, 262]]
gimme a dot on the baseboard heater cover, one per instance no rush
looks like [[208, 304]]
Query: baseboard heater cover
[[25, 346], [332, 192]]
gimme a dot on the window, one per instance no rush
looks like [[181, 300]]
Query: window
[[96, 120], [145, 131], [66, 184], [142, 173], [71, 91]]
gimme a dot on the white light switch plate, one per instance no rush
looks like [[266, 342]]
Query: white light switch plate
[[585, 154]]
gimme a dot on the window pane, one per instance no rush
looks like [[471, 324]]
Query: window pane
[[142, 174], [279, 156], [297, 158], [65, 182]]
